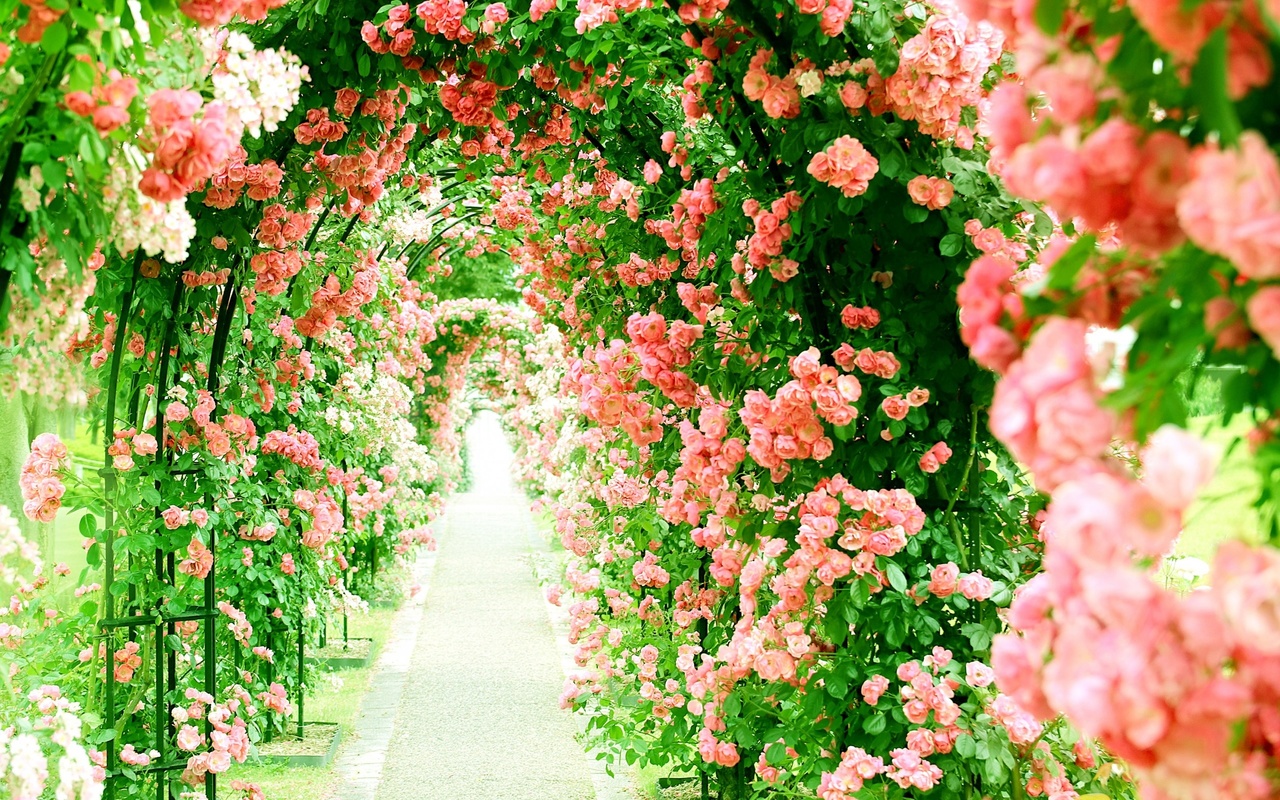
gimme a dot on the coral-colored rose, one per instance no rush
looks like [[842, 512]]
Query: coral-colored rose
[[81, 103], [1263, 309], [107, 118], [943, 580], [1231, 205], [174, 517], [921, 190], [1223, 320], [935, 457], [895, 407]]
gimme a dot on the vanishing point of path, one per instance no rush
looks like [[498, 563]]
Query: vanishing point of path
[[477, 717]]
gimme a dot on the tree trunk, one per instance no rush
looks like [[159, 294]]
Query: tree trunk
[[14, 447]]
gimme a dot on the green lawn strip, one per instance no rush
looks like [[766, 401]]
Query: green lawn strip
[[282, 782], [1225, 508], [335, 697], [644, 780]]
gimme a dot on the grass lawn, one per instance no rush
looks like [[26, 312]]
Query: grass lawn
[[282, 782], [1225, 508], [336, 697]]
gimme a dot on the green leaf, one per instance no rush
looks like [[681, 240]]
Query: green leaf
[[994, 771], [55, 38], [1209, 89], [776, 754], [874, 724], [732, 705], [896, 577], [837, 685], [951, 244], [915, 482], [1049, 15], [87, 152], [1063, 272], [965, 746], [892, 161], [914, 213], [88, 526], [83, 18], [886, 59]]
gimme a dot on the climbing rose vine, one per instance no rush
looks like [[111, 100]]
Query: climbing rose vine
[[845, 379]]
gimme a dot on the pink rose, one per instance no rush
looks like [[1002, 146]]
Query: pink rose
[[978, 674], [144, 444], [168, 106], [174, 517], [874, 688], [42, 511], [976, 586], [189, 738], [1176, 465], [1246, 581], [396, 19], [219, 761]]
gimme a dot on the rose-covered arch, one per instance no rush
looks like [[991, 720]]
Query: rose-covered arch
[[747, 399]]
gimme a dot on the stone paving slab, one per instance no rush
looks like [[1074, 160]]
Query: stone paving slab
[[361, 763], [475, 676]]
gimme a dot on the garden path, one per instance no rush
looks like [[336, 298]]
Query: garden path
[[478, 716]]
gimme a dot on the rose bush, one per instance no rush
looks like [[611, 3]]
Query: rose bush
[[746, 397]]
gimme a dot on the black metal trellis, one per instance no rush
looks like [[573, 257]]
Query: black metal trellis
[[302, 666], [268, 735], [135, 618]]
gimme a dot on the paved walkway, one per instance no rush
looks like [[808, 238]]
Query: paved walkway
[[467, 709]]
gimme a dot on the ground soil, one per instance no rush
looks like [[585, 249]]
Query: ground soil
[[316, 740]]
